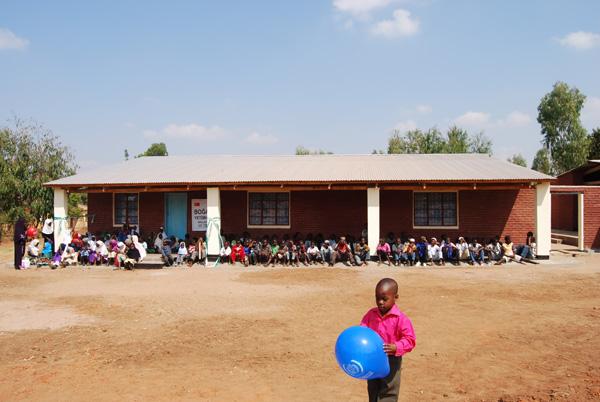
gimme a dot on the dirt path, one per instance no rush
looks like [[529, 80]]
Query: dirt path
[[510, 333]]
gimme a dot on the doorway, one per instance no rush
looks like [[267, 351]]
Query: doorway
[[176, 214]]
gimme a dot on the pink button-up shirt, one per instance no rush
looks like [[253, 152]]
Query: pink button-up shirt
[[393, 327]]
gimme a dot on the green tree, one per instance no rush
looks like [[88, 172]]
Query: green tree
[[564, 136], [594, 152], [541, 162], [480, 144], [156, 149], [300, 150], [432, 141], [457, 141], [518, 159], [31, 156]]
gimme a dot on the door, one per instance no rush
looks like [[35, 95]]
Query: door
[[176, 214]]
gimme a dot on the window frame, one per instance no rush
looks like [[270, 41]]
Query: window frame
[[436, 226], [249, 226], [118, 225]]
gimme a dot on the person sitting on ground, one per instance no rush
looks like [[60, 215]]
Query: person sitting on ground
[[192, 254], [524, 250], [121, 254], [281, 254], [463, 249], [292, 254], [397, 250], [435, 253], [225, 253], [141, 247], [238, 253], [410, 251], [423, 251], [332, 241], [266, 253], [476, 252], [133, 256], [57, 258], [508, 252], [450, 251], [69, 257], [383, 252], [302, 253], [84, 254], [327, 253], [201, 250], [314, 254], [101, 253], [274, 250], [158, 242], [342, 252], [362, 252], [166, 252], [33, 250]]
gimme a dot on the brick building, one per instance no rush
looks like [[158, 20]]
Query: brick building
[[576, 206], [431, 195]]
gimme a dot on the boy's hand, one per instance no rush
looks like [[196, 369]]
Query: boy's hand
[[389, 349]]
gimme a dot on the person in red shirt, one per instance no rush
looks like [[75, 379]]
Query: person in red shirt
[[238, 254], [398, 335], [342, 252]]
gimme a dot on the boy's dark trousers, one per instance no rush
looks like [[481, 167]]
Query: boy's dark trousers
[[386, 389]]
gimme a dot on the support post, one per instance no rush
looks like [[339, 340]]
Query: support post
[[61, 204], [213, 215], [373, 218], [580, 223], [543, 214]]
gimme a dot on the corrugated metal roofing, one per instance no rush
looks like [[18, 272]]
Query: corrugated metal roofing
[[243, 169]]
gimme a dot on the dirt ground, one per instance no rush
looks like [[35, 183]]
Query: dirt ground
[[510, 333]]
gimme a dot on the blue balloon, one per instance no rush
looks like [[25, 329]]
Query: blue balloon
[[359, 352]]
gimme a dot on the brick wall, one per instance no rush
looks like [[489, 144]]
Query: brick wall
[[325, 212], [100, 205], [564, 211], [591, 212], [482, 214]]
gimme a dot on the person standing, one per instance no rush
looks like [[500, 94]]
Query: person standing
[[48, 231], [19, 239]]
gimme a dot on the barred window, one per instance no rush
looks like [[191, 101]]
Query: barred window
[[435, 209], [125, 209], [269, 209]]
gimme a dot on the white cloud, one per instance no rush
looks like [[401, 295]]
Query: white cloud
[[187, 131], [400, 25], [516, 119], [359, 7], [473, 119], [260, 139], [590, 115], [580, 40], [9, 40], [424, 109], [404, 126]]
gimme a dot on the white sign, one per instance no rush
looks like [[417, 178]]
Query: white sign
[[199, 216]]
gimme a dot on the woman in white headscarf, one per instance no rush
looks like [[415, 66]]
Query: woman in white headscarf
[[101, 252], [139, 247]]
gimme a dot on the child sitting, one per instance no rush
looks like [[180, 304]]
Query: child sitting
[[342, 252], [225, 253], [410, 251], [423, 251], [238, 253], [326, 253], [476, 252], [166, 252], [192, 253], [314, 254], [362, 253], [383, 252], [398, 335], [435, 252], [463, 249]]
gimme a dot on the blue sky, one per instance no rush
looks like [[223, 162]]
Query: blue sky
[[261, 77]]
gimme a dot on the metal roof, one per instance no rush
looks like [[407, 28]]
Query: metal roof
[[244, 169]]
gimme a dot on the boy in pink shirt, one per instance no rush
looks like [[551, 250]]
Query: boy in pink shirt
[[398, 336]]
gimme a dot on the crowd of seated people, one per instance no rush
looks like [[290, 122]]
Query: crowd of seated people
[[397, 251], [123, 249]]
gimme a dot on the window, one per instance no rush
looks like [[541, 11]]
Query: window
[[435, 209], [125, 209], [268, 209]]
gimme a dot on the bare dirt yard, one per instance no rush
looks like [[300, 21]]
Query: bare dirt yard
[[509, 333]]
